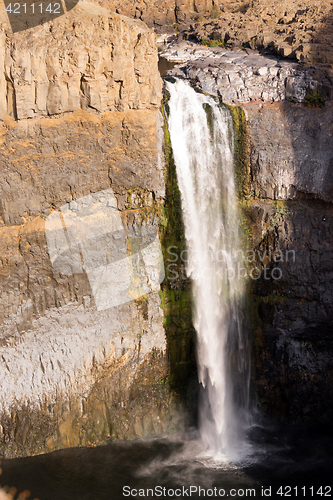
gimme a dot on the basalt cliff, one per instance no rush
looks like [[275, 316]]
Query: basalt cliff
[[297, 30], [80, 115], [283, 150], [82, 125]]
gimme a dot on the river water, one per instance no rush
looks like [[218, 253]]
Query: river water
[[296, 457]]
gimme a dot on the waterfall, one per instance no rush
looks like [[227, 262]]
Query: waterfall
[[202, 143]]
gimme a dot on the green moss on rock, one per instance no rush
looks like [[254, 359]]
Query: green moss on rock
[[176, 296], [241, 156]]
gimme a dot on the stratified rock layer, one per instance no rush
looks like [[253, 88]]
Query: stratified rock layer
[[80, 114], [88, 59]]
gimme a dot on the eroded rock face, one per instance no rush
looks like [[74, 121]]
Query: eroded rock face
[[78, 376], [48, 162], [87, 59], [239, 77], [290, 29], [80, 115], [163, 12]]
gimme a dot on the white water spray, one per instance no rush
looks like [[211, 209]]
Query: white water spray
[[202, 144]]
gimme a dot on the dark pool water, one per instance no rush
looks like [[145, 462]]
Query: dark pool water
[[164, 65], [297, 458]]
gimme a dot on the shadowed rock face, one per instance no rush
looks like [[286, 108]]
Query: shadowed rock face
[[291, 162], [292, 151], [287, 200], [292, 315]]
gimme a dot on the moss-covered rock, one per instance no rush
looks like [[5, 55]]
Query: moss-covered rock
[[176, 296], [241, 150]]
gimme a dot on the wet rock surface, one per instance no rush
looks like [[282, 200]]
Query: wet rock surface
[[291, 250]]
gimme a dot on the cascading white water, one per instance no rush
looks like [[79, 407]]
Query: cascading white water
[[202, 143]]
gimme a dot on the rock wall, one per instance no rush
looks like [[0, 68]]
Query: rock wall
[[163, 12], [290, 29], [291, 154], [62, 66], [290, 307], [80, 114], [290, 162]]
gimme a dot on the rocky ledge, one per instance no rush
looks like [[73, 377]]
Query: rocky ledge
[[244, 76]]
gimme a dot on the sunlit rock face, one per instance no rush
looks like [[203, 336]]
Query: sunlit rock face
[[81, 152], [160, 13], [121, 263], [241, 76], [289, 29], [88, 59]]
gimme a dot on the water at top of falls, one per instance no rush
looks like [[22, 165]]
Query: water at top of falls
[[202, 143]]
